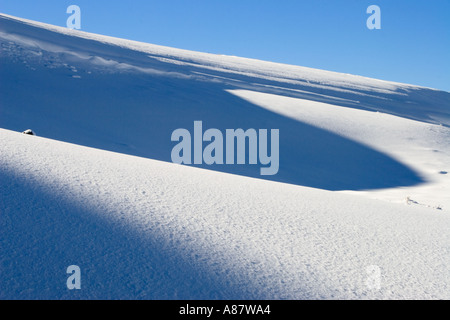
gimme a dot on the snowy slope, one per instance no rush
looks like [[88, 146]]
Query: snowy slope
[[122, 96], [142, 227], [423, 147], [129, 97]]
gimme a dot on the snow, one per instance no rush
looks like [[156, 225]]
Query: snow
[[424, 147], [141, 228], [361, 183]]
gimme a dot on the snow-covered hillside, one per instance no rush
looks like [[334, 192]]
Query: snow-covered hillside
[[363, 178], [140, 228]]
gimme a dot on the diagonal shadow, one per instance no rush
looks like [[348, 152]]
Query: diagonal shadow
[[44, 232], [136, 113], [418, 103]]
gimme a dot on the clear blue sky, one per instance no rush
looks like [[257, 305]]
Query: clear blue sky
[[413, 45]]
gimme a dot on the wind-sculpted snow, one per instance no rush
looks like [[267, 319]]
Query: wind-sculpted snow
[[409, 101], [140, 228], [129, 97]]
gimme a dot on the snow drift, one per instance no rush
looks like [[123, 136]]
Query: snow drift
[[140, 228]]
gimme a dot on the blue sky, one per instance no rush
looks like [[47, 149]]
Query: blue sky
[[413, 45]]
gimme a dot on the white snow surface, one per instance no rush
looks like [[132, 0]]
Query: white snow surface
[[423, 146], [140, 228], [363, 177]]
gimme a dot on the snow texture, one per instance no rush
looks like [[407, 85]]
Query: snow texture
[[362, 178]]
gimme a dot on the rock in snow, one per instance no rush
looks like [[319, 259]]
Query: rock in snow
[[30, 132]]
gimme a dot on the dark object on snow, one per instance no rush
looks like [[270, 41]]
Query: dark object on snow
[[29, 131]]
